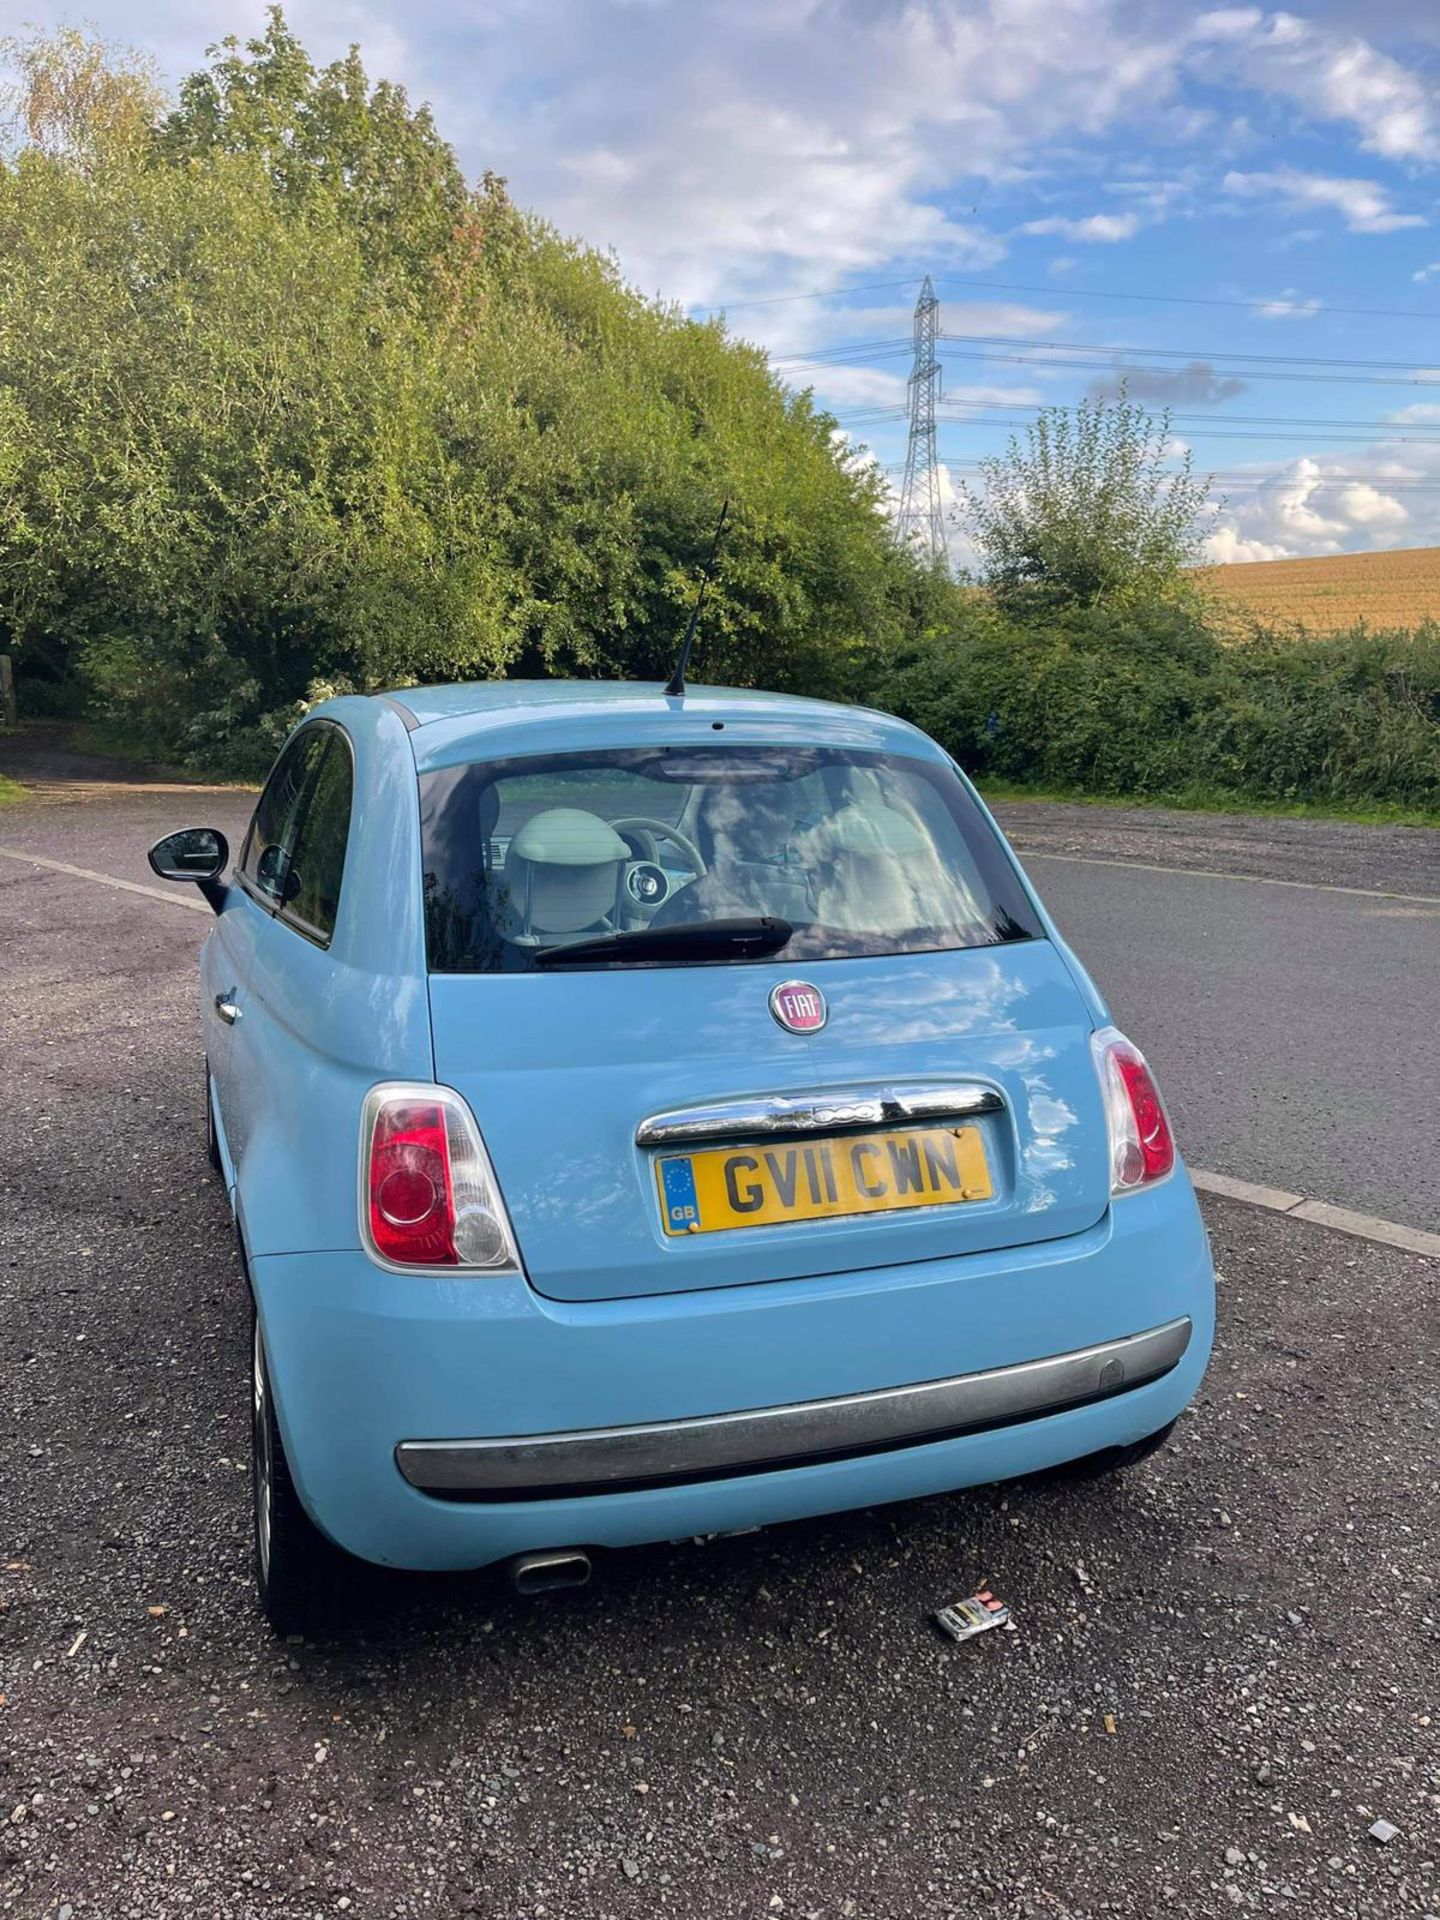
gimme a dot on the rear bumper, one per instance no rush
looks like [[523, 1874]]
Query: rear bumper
[[450, 1423], [540, 1466]]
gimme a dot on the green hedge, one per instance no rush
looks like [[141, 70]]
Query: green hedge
[[1150, 703], [287, 408]]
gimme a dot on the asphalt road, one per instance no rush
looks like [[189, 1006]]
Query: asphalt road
[[761, 1726], [1295, 1030], [1282, 975]]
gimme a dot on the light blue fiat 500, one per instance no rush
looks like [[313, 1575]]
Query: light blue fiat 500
[[655, 1115]]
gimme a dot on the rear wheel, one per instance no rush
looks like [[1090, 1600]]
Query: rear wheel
[[297, 1570]]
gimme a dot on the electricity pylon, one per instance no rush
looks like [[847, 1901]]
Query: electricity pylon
[[921, 520]]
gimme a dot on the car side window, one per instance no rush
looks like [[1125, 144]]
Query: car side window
[[318, 863], [270, 844]]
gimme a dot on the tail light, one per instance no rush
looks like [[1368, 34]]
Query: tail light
[[428, 1194], [1142, 1147]]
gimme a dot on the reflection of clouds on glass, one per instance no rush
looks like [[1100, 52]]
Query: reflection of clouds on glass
[[875, 868], [726, 807]]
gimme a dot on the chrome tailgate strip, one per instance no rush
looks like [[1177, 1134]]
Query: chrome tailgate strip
[[541, 1466], [834, 1110]]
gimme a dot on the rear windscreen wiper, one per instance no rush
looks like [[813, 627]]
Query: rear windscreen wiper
[[750, 939]]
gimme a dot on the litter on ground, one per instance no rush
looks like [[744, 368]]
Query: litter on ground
[[963, 1619]]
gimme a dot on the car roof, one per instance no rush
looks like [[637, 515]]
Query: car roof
[[496, 718]]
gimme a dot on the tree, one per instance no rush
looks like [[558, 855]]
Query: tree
[[327, 135], [75, 97], [1087, 508], [285, 404]]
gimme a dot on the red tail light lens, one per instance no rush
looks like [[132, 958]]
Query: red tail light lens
[[412, 1203], [428, 1195], [1142, 1147]]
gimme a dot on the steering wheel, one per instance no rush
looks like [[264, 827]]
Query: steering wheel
[[657, 829]]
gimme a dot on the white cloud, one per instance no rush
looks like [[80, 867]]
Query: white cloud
[[1104, 228], [850, 386], [1319, 505], [1426, 273], [734, 148], [1227, 546], [1159, 195], [1330, 75], [1366, 506], [1001, 317], [1363, 204], [1424, 413], [1289, 306]]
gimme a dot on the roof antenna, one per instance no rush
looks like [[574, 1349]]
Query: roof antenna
[[675, 685]]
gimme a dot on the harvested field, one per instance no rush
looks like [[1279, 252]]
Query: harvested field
[[1400, 589]]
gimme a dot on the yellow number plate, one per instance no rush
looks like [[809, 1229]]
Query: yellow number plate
[[757, 1186]]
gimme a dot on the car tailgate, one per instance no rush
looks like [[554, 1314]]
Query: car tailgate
[[562, 1071]]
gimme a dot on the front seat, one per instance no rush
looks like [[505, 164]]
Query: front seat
[[562, 874]]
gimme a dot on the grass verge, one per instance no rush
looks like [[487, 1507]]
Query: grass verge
[[10, 791], [1207, 800]]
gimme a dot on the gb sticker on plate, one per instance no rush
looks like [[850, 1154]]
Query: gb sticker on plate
[[682, 1205]]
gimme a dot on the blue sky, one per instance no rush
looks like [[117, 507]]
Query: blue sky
[[1042, 159]]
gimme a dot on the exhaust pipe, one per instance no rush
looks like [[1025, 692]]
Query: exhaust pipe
[[544, 1572]]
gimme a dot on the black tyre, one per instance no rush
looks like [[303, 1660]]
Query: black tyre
[[298, 1572], [1094, 1466], [212, 1139]]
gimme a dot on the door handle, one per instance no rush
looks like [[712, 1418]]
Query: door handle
[[227, 1007]]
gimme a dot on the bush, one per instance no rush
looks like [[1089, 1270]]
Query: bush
[[284, 402], [1149, 703], [1087, 507]]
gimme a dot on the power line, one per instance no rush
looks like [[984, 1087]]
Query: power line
[[1294, 301], [1349, 423], [1247, 481], [854, 350], [1184, 353], [1043, 357], [1207, 356], [815, 293], [1194, 300], [1415, 379], [1197, 426]]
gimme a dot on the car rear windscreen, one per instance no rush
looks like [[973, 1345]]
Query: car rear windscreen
[[858, 853]]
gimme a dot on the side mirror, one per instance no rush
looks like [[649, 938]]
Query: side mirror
[[199, 854]]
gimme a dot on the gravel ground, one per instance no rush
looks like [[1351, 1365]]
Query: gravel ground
[[761, 1726], [1336, 853]]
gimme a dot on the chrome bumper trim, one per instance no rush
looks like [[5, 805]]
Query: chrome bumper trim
[[832, 1110], [538, 1466]]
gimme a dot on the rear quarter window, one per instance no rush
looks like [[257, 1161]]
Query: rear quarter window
[[318, 863], [270, 842]]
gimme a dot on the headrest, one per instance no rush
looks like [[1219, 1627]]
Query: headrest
[[568, 837]]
